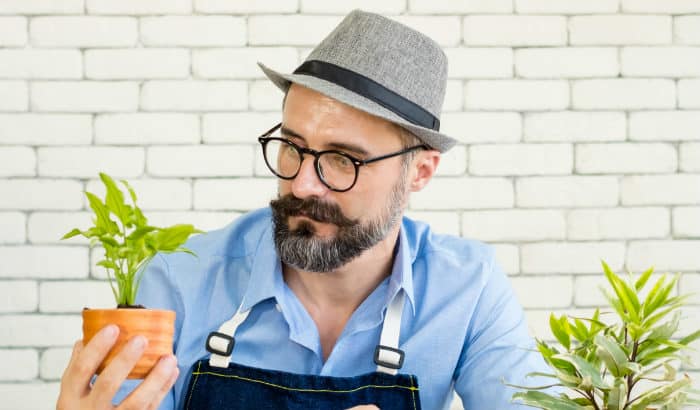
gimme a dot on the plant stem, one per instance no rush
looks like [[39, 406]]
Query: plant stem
[[630, 382]]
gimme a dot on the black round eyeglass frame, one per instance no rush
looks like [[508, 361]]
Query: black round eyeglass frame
[[265, 138]]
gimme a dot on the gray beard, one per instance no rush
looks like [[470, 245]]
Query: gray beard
[[302, 250]]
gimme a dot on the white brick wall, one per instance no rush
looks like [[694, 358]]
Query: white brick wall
[[578, 125]]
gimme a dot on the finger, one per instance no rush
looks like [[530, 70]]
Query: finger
[[87, 358], [112, 377], [157, 384], [77, 347]]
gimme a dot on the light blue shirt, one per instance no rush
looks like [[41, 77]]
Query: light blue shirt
[[462, 327]]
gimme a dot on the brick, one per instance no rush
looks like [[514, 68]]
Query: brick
[[28, 194], [460, 6], [41, 64], [143, 63], [193, 31], [574, 126], [203, 220], [661, 190], [624, 93], [41, 7], [665, 125], [73, 296], [515, 30], [15, 96], [86, 96], [13, 31], [686, 221], [54, 361], [565, 6], [660, 6], [686, 29], [570, 191], [445, 30], [690, 157], [49, 227], [689, 323], [240, 63], [153, 194], [569, 62], [618, 30], [520, 159], [19, 364], [344, 7], [200, 161], [287, 31], [464, 193], [45, 129], [17, 161], [264, 96], [544, 291], [138, 7], [571, 257], [49, 262], [507, 257], [453, 162], [194, 95], [83, 31], [480, 127], [441, 222], [246, 7], [85, 162], [677, 255], [29, 395], [237, 128], [454, 96], [147, 129], [660, 61], [689, 93], [514, 225], [13, 227], [40, 331], [18, 296], [690, 284], [620, 223], [241, 194], [519, 95], [613, 158], [473, 62]]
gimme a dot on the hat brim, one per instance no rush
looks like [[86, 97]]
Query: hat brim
[[434, 139]]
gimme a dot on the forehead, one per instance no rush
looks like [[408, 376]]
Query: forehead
[[317, 117]]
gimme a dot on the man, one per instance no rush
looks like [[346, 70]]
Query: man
[[330, 299]]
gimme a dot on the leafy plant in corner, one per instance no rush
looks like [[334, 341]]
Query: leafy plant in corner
[[129, 242], [626, 365]]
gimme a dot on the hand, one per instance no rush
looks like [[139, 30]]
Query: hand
[[365, 407], [77, 393]]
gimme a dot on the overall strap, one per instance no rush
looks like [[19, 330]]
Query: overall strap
[[387, 355], [221, 343]]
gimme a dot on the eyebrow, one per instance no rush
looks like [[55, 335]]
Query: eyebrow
[[334, 145]]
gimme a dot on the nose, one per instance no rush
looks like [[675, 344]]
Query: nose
[[307, 182]]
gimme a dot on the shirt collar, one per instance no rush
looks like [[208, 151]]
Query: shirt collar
[[266, 279]]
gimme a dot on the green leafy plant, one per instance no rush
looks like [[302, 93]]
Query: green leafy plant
[[600, 365], [129, 242]]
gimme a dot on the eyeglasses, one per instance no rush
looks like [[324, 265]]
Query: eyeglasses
[[337, 170]]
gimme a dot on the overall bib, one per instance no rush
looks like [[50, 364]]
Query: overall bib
[[218, 383]]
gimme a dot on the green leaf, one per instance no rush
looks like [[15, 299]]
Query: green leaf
[[72, 233], [102, 214], [611, 353], [623, 292], [168, 239], [115, 199], [559, 332], [639, 284], [659, 393], [584, 369], [545, 401], [617, 397]]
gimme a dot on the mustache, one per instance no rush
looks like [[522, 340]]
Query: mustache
[[313, 208]]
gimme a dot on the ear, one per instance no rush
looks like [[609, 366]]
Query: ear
[[423, 168]]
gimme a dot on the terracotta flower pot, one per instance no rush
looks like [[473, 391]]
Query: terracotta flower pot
[[158, 326]]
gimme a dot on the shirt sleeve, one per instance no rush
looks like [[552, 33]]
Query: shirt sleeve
[[497, 348], [157, 290]]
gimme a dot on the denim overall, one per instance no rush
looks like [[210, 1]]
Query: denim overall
[[218, 383]]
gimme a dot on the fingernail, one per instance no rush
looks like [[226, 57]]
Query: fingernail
[[139, 342], [168, 361], [111, 330]]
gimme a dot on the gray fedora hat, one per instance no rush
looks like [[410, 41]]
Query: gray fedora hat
[[382, 67]]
